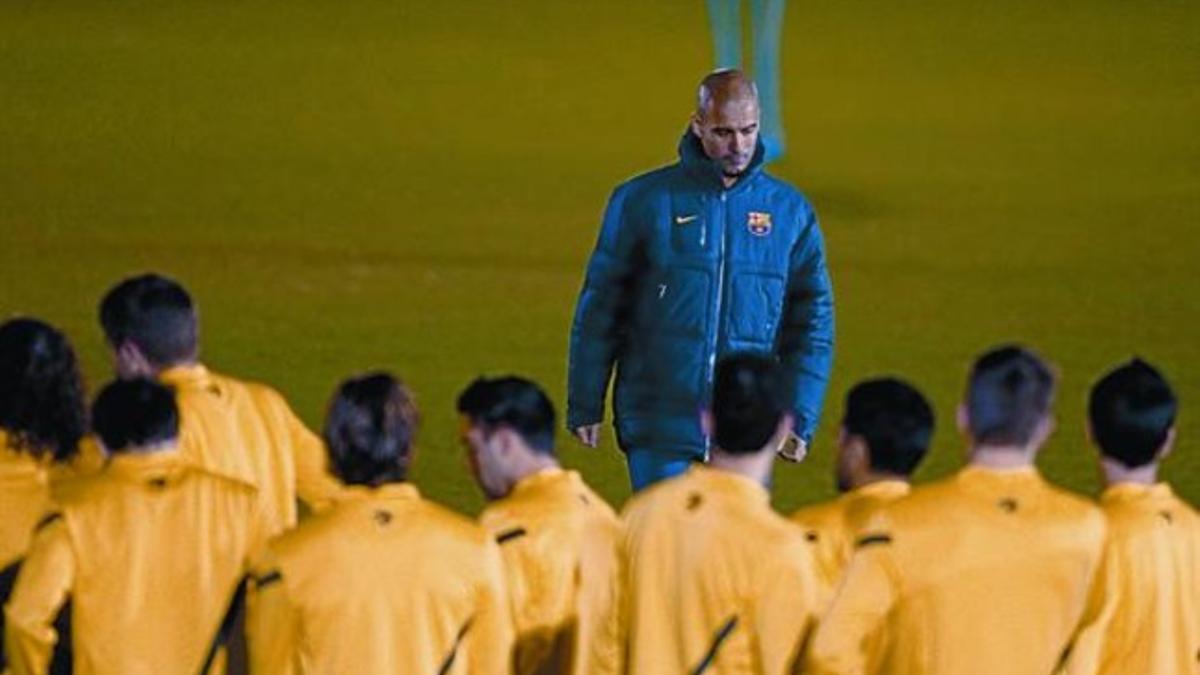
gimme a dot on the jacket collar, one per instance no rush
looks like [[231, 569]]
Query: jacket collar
[[387, 492], [16, 463], [546, 479], [730, 482], [189, 376], [693, 159], [883, 489], [1130, 492], [138, 465], [989, 481]]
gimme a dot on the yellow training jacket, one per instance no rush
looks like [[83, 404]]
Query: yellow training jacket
[[559, 542], [150, 552], [1147, 597], [247, 431], [27, 490], [384, 582], [717, 582], [833, 527], [985, 572]]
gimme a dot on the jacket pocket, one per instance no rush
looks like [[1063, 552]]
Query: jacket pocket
[[757, 305]]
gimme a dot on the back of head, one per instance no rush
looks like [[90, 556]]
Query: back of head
[[369, 430], [1132, 410], [1008, 396], [135, 414], [156, 314], [42, 407], [750, 397], [894, 419], [512, 403]]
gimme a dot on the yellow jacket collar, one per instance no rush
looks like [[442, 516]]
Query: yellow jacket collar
[[544, 479], [732, 482], [387, 491], [990, 481], [1127, 492], [193, 375], [883, 488], [138, 464]]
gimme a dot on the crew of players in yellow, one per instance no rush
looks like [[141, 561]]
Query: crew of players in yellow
[[148, 536]]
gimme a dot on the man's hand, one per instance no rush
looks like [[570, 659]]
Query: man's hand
[[793, 449], [589, 434]]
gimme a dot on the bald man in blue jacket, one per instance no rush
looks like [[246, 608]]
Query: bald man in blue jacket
[[697, 259]]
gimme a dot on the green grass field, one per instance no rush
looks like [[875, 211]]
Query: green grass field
[[416, 186]]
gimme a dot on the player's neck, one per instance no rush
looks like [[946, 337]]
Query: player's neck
[[1115, 472], [533, 464], [755, 466], [1002, 457]]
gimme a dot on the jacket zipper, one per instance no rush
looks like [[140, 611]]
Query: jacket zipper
[[719, 239]]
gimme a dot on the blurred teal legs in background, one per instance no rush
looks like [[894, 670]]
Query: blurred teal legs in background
[[767, 24], [725, 17], [767, 28]]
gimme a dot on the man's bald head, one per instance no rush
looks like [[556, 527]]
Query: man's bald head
[[726, 121], [721, 87]]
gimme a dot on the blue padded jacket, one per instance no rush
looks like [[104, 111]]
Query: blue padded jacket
[[686, 270]]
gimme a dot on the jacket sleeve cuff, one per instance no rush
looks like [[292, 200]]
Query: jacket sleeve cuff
[[581, 417]]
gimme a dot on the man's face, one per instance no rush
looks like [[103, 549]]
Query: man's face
[[729, 133], [484, 457]]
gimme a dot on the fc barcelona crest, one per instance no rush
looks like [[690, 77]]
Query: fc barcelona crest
[[759, 223]]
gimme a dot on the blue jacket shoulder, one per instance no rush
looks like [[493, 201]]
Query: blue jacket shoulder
[[780, 189]]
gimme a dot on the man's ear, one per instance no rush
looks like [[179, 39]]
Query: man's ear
[[843, 436], [962, 419], [697, 131], [854, 450], [131, 362], [783, 430], [1168, 444], [505, 440], [1044, 429]]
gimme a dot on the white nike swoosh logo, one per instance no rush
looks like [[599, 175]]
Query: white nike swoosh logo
[[683, 220]]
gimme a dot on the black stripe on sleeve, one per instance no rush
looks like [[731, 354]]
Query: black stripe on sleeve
[[509, 535], [237, 605], [873, 539], [449, 662], [1064, 657], [718, 639], [46, 520], [272, 577]]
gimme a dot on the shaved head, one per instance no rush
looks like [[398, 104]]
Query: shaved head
[[721, 87], [726, 121]]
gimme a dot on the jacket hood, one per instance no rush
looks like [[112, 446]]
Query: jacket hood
[[692, 157]]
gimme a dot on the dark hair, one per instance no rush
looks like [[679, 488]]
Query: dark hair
[[750, 396], [1131, 410], [369, 430], [42, 406], [514, 403], [156, 314], [894, 419], [1009, 395], [135, 413]]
